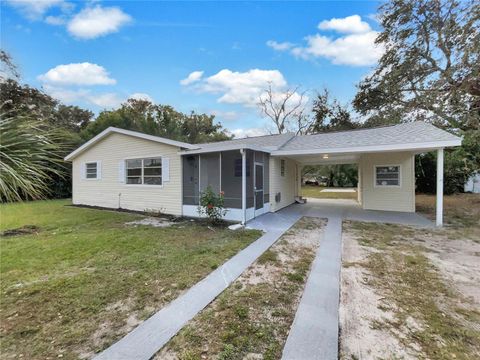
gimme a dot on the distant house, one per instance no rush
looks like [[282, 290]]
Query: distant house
[[130, 170], [473, 183]]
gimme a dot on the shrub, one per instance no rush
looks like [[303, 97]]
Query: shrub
[[211, 205]]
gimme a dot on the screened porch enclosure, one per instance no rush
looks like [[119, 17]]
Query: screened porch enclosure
[[223, 171]]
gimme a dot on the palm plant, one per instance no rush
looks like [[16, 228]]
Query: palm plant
[[30, 153]]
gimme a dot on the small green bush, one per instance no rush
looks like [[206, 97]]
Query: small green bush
[[211, 205]]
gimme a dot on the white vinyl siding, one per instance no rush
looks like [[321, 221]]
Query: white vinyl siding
[[285, 185], [113, 191], [399, 197]]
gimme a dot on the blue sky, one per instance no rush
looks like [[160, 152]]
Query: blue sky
[[97, 54]]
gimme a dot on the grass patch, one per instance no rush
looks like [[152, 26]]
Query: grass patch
[[70, 288], [313, 191], [406, 278], [268, 256], [251, 317]]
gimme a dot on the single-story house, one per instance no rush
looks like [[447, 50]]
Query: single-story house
[[131, 170]]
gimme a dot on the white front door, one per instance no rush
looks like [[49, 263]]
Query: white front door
[[258, 189]]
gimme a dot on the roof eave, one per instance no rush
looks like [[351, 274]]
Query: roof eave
[[373, 148], [112, 129], [224, 148]]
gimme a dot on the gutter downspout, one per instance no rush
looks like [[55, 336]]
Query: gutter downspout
[[244, 186]]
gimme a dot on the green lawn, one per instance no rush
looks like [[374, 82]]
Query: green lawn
[[84, 278], [312, 191]]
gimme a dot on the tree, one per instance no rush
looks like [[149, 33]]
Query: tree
[[336, 175], [460, 163], [330, 115], [30, 152], [8, 67], [285, 109], [72, 118], [158, 120], [429, 70]]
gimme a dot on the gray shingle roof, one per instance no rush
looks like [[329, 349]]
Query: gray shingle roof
[[267, 143], [408, 133]]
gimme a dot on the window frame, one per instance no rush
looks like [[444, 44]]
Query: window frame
[[387, 186], [283, 167], [85, 169], [142, 171]]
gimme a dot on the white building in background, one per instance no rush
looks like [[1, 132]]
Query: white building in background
[[473, 183]]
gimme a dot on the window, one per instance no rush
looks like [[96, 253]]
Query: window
[[238, 168], [91, 170], [282, 167], [387, 175], [146, 171]]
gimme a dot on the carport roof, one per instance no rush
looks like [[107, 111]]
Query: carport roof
[[409, 136], [414, 136]]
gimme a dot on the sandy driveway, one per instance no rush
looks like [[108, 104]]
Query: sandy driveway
[[374, 324]]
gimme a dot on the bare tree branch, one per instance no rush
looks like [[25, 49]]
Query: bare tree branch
[[283, 109]]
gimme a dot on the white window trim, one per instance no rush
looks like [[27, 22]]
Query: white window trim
[[387, 186], [142, 185], [98, 163]]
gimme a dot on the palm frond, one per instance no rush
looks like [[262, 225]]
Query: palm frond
[[30, 153]]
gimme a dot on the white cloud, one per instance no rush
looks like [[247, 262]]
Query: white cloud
[[349, 25], [243, 133], [73, 96], [35, 9], [97, 21], [225, 115], [55, 20], [192, 77], [241, 87], [77, 74], [279, 46], [356, 48], [105, 101], [141, 96], [67, 96]]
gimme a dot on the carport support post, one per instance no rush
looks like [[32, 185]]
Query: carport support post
[[439, 207], [244, 186]]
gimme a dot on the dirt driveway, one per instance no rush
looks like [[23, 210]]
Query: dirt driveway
[[413, 293]]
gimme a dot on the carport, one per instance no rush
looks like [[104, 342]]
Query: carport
[[385, 158]]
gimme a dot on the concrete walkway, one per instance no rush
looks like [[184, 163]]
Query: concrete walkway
[[146, 339], [314, 332]]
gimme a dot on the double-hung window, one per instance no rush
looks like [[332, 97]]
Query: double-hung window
[[387, 175], [147, 171]]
